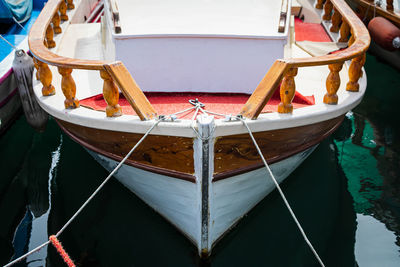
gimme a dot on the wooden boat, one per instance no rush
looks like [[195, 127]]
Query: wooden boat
[[383, 20], [10, 103], [202, 173]]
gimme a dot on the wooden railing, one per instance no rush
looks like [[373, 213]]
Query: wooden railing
[[283, 71], [113, 73], [369, 9], [389, 4]]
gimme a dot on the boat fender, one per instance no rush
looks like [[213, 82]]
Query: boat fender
[[384, 33], [23, 71]]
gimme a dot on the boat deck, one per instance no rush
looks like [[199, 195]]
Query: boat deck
[[83, 41], [204, 17]]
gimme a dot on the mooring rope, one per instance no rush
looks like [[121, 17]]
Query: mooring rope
[[19, 24], [281, 192], [88, 200], [10, 44]]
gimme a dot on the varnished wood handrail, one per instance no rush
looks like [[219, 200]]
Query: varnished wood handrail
[[37, 45], [272, 79], [42, 53]]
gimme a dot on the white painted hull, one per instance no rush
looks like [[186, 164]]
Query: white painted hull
[[180, 203]]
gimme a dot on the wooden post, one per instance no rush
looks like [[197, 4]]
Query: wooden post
[[344, 32], [46, 77], [287, 91], [63, 10], [336, 19], [68, 87], [333, 84], [320, 4], [389, 5], [352, 39], [327, 10], [56, 23], [355, 72], [70, 4], [36, 65], [111, 95], [49, 37]]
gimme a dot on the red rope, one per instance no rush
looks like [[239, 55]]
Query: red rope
[[53, 239]]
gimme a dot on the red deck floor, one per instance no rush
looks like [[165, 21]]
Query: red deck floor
[[169, 103]]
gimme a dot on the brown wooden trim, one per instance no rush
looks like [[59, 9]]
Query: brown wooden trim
[[283, 16], [115, 15], [131, 91], [66, 127], [322, 130], [265, 90], [278, 152]]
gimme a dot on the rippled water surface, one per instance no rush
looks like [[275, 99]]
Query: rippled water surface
[[346, 195]]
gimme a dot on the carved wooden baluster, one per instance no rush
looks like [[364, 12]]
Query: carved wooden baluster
[[111, 95], [344, 32], [63, 10], [333, 84], [355, 72], [327, 10], [46, 77], [68, 87], [56, 23], [36, 65], [352, 39], [70, 4], [320, 4], [336, 19], [389, 5], [49, 37], [288, 89]]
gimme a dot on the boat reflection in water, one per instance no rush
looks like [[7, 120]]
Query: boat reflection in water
[[28, 164], [369, 149]]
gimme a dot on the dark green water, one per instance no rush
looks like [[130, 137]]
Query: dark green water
[[346, 195]]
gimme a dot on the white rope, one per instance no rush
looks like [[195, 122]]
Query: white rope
[[4, 39], [19, 24], [281, 193], [89, 199]]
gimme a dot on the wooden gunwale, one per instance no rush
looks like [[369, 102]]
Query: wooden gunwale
[[285, 154], [326, 127], [261, 94], [170, 173], [393, 16]]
